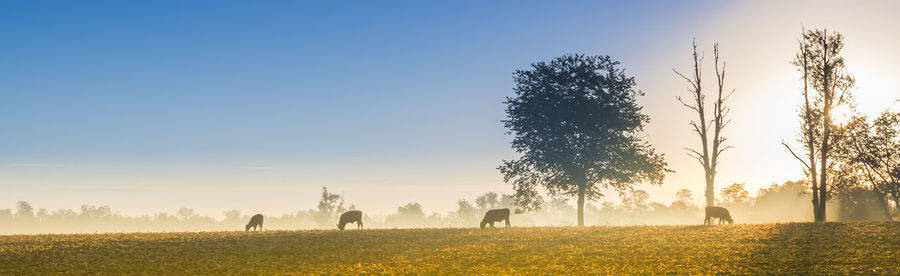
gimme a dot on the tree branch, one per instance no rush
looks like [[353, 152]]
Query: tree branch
[[686, 105], [795, 155]]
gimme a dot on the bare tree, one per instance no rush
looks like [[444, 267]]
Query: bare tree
[[823, 69], [708, 155]]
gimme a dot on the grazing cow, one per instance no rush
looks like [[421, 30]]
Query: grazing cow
[[495, 215], [351, 216], [256, 220], [713, 212]]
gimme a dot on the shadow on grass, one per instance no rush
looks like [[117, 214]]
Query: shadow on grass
[[801, 249]]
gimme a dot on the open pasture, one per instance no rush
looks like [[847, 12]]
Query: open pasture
[[795, 248]]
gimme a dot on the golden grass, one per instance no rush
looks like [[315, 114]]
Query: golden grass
[[796, 248]]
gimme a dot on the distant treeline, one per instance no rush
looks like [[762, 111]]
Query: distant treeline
[[778, 203]]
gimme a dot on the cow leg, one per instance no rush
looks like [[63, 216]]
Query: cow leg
[[492, 225], [359, 224], [507, 222]]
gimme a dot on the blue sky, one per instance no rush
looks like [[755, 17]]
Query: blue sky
[[206, 103], [106, 81]]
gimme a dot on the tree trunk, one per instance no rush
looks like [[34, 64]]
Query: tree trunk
[[807, 117], [581, 204], [823, 187], [815, 203], [823, 172], [886, 206], [710, 191], [822, 215], [826, 131]]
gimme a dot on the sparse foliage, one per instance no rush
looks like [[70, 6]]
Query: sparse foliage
[[823, 70], [685, 196], [735, 194], [330, 206]]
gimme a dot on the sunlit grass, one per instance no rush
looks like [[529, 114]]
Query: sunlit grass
[[797, 248]]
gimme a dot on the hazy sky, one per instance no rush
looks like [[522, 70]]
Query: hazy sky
[[154, 106]]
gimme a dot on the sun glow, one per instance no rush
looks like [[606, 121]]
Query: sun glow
[[841, 115]]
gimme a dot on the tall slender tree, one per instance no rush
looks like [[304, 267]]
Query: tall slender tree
[[709, 152], [577, 124], [822, 65]]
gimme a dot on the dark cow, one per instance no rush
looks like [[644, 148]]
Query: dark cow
[[713, 212], [495, 215], [351, 216], [256, 220]]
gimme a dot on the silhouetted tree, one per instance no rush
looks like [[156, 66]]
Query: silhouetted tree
[[24, 210], [330, 206], [860, 203], [104, 211], [413, 209], [823, 70], [577, 124], [636, 200], [409, 215], [869, 157], [684, 196], [735, 194], [6, 214], [487, 201], [233, 217], [184, 214], [682, 208], [780, 202], [465, 212], [708, 154]]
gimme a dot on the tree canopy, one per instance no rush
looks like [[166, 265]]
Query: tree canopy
[[577, 124]]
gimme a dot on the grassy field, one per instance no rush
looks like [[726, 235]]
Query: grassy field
[[797, 248]]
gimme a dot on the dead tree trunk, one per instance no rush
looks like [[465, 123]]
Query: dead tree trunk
[[708, 155]]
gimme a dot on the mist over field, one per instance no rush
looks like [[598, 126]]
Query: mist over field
[[778, 203]]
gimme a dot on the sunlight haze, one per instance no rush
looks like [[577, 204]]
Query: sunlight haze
[[239, 105]]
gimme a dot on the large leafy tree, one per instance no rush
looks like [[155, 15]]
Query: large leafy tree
[[577, 124]]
